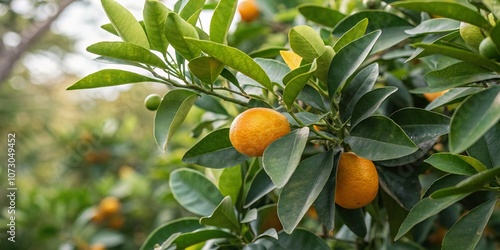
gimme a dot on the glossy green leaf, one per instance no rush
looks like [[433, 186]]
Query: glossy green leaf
[[194, 191], [173, 110], [230, 183], [260, 186], [354, 219], [468, 230], [109, 77], [473, 118], [302, 239], [211, 104], [435, 25], [221, 20], [312, 97], [361, 84], [458, 74], [452, 96], [295, 81], [282, 157], [446, 8], [125, 23], [455, 164], [275, 70], [325, 202], [369, 103], [446, 180], [307, 118], [461, 54], [424, 209], [224, 216], [402, 184], [166, 230], [206, 68], [471, 184], [192, 238], [379, 138], [487, 148], [348, 59], [303, 188], [306, 42], [250, 215], [320, 14], [352, 34], [235, 59], [267, 52], [168, 242], [392, 26], [178, 31], [433, 39], [214, 151], [109, 28], [191, 8], [128, 52], [155, 15]]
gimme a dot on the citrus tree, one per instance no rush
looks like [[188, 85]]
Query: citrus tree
[[298, 135]]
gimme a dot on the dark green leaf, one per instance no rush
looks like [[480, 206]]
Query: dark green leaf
[[442, 182], [166, 230], [295, 81], [260, 186], [454, 164], [322, 15], [173, 110], [192, 238], [452, 96], [458, 74], [267, 52], [211, 104], [214, 151], [361, 84], [155, 15], [306, 118], [435, 25], [127, 51], [224, 216], [206, 68], [178, 31], [487, 148], [267, 218], [302, 239], [194, 191], [282, 157], [471, 184], [352, 34], [354, 219], [369, 103], [221, 20], [402, 184], [325, 203], [312, 97], [109, 77]]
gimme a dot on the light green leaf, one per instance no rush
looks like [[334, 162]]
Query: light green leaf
[[194, 191], [170, 228], [230, 183], [109, 77], [206, 68], [458, 74], [352, 34], [435, 25], [214, 151], [155, 15], [361, 84], [235, 59], [178, 31], [282, 157], [127, 51], [295, 81], [320, 14], [190, 9], [454, 164], [224, 216], [260, 186], [192, 238], [473, 118], [369, 103], [306, 42], [473, 183], [379, 138], [221, 20], [125, 24], [173, 109], [304, 186]]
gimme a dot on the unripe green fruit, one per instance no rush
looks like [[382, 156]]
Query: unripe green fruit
[[488, 49], [471, 34], [152, 102]]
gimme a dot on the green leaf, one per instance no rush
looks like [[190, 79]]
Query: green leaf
[[282, 157], [379, 138], [468, 230], [172, 111], [230, 183], [306, 42], [424, 209], [435, 25], [446, 180], [267, 52], [461, 54], [347, 61], [170, 228], [446, 8], [495, 34], [275, 70], [325, 202], [109, 77], [323, 63], [194, 191], [235, 59], [221, 20], [212, 104], [452, 96], [354, 219], [190, 9], [369, 103], [267, 218], [192, 238], [395, 213], [155, 15], [458, 74], [312, 97], [455, 164], [304, 186], [260, 186], [473, 118], [295, 81], [214, 151], [361, 84], [178, 31], [206, 68], [487, 148], [321, 15], [302, 239], [223, 216], [125, 23], [402, 184], [127, 51], [352, 34], [109, 28], [474, 183]]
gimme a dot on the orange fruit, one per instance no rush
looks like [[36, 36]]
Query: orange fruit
[[357, 181], [432, 96], [109, 205], [248, 10], [254, 129], [116, 222]]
